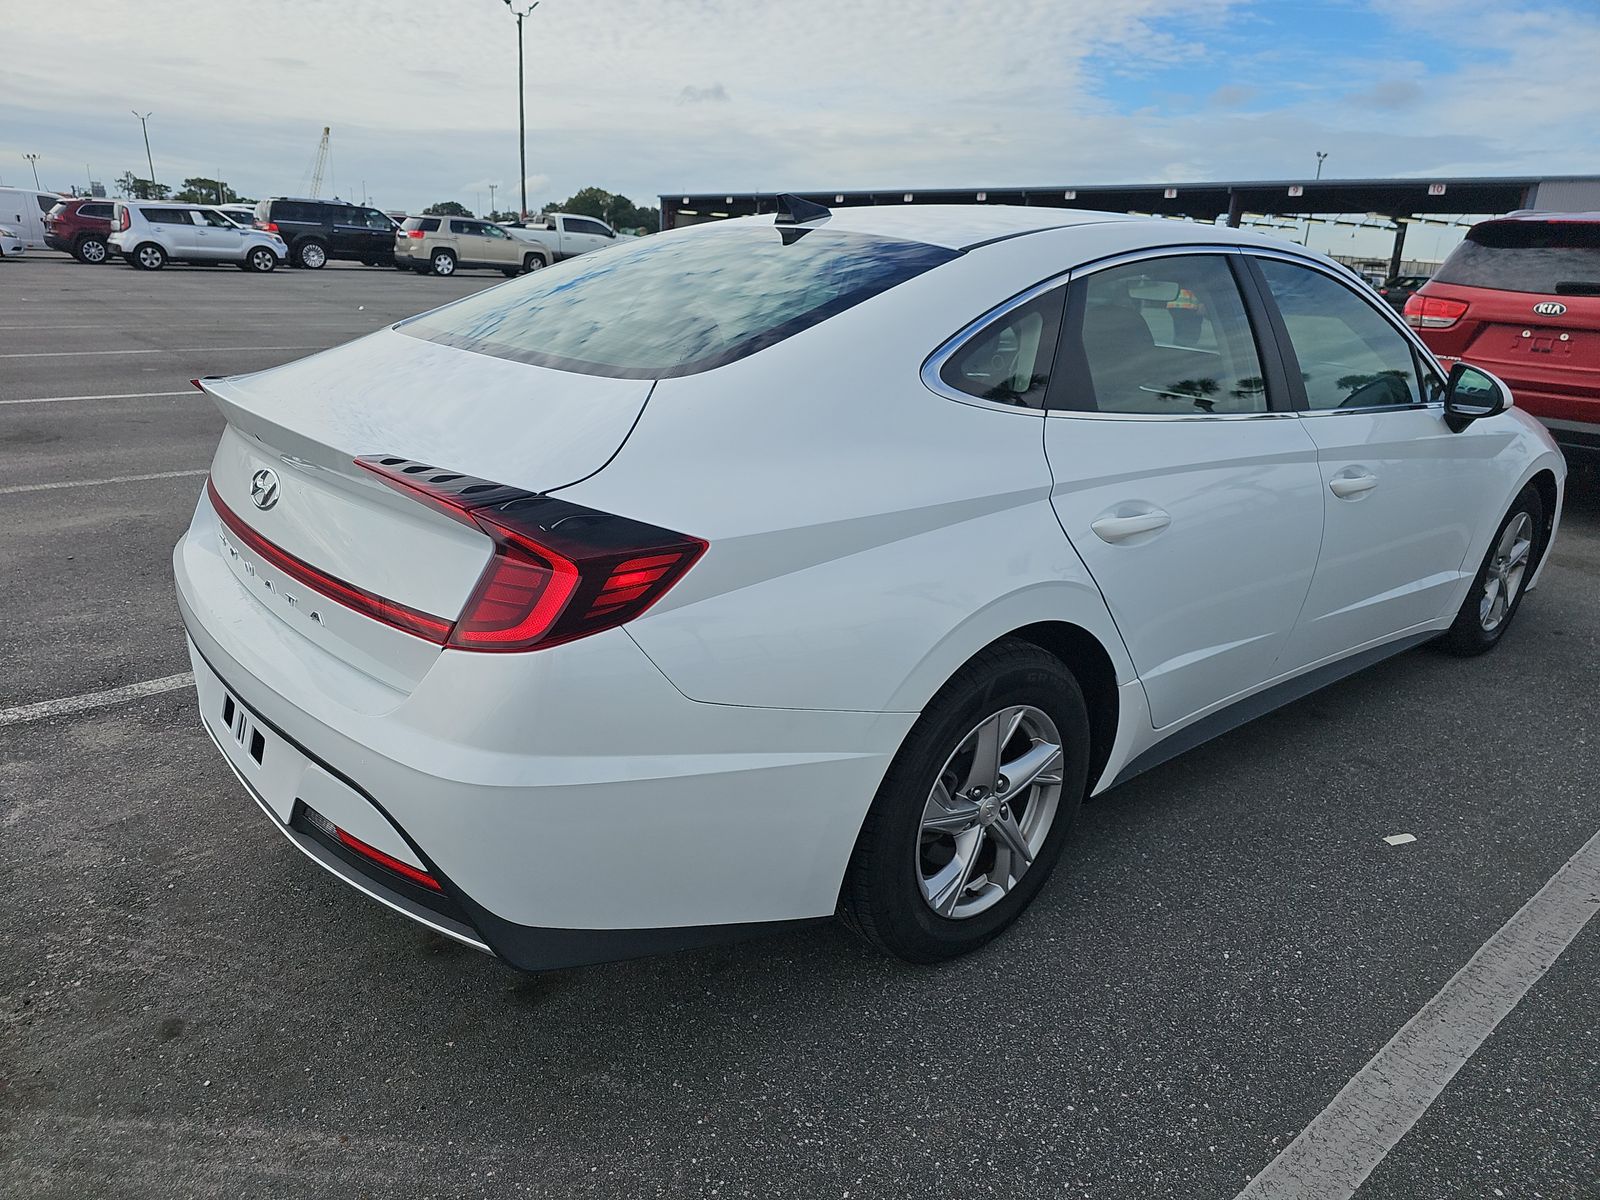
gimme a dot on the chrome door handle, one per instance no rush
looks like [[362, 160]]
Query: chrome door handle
[[1345, 486], [1119, 529]]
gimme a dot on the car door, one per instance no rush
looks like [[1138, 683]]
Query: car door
[[176, 230], [502, 249], [581, 235], [1182, 477], [215, 238], [465, 240], [1402, 494]]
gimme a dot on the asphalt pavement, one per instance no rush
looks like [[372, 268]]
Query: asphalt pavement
[[188, 1007]]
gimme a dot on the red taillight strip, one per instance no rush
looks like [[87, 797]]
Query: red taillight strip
[[399, 616], [387, 861]]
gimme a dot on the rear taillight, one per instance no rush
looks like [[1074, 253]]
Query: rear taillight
[[1433, 312], [269, 227], [126, 222], [415, 233], [559, 571]]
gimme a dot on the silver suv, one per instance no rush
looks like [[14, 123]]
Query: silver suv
[[151, 233], [442, 245]]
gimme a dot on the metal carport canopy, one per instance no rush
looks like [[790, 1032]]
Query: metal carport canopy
[[1201, 201]]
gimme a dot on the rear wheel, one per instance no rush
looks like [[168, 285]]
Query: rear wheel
[[975, 808], [1497, 590], [90, 250], [261, 260], [311, 255], [443, 263], [148, 256]]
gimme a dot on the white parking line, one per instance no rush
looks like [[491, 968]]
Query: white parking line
[[88, 700], [72, 483], [1348, 1139], [173, 350], [114, 396]]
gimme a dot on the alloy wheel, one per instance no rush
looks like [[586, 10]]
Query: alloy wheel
[[1503, 580], [92, 251], [313, 256], [989, 812], [150, 257]]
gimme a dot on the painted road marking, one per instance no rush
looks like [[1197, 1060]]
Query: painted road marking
[[1344, 1144], [72, 483], [114, 396], [88, 700], [173, 350]]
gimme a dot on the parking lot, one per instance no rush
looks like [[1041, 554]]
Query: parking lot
[[191, 1008]]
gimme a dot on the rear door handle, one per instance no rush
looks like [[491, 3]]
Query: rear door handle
[[1120, 529], [1345, 486]]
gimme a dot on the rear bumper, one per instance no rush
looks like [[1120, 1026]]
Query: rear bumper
[[573, 806], [57, 242]]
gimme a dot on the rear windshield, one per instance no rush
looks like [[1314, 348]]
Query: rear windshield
[[428, 224], [675, 305], [1551, 257]]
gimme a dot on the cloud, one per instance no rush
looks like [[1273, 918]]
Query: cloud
[[715, 94], [1232, 95], [1390, 94]]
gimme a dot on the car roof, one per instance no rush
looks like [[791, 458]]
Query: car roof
[[957, 226]]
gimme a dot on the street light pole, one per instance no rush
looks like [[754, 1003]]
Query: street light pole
[[150, 162], [1321, 154], [522, 121], [33, 161], [492, 208]]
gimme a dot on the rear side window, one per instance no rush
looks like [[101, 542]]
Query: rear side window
[[426, 224], [678, 304], [1163, 337], [167, 216], [1008, 361], [288, 210], [1560, 258], [95, 210]]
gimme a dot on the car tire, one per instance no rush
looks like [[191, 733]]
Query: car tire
[[261, 261], [311, 254], [1497, 589], [907, 886], [148, 256], [91, 250], [442, 263], [533, 262]]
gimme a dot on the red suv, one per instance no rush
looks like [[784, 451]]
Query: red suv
[[80, 227], [1521, 297]]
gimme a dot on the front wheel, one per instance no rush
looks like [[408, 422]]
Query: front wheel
[[533, 262], [443, 263], [975, 809], [90, 250], [261, 260], [1497, 590], [148, 257]]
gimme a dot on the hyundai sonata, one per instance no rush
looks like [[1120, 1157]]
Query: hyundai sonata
[[823, 563]]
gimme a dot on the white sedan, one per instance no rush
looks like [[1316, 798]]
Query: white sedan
[[775, 568], [11, 244]]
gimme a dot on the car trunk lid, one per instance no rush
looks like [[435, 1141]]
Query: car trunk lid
[[305, 423]]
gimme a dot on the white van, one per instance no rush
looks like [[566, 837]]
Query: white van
[[23, 210]]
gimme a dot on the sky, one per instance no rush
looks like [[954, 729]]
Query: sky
[[646, 97]]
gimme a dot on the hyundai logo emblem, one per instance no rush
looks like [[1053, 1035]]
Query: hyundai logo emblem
[[264, 488], [1549, 308]]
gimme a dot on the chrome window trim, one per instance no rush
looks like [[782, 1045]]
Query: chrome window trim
[[1344, 276]]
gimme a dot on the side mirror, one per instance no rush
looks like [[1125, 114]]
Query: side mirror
[[1471, 394]]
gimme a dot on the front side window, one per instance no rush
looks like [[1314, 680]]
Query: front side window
[[1162, 337], [1349, 355], [1009, 360], [677, 304], [582, 225], [375, 219], [210, 216]]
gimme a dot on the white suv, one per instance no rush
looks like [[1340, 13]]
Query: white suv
[[150, 233]]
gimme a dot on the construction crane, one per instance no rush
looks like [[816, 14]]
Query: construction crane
[[320, 165]]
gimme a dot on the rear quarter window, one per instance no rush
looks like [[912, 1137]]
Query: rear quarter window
[[1549, 257], [677, 305], [426, 224]]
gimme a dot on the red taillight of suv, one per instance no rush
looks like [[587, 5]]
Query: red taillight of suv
[[559, 571], [1433, 312], [269, 227], [416, 233]]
